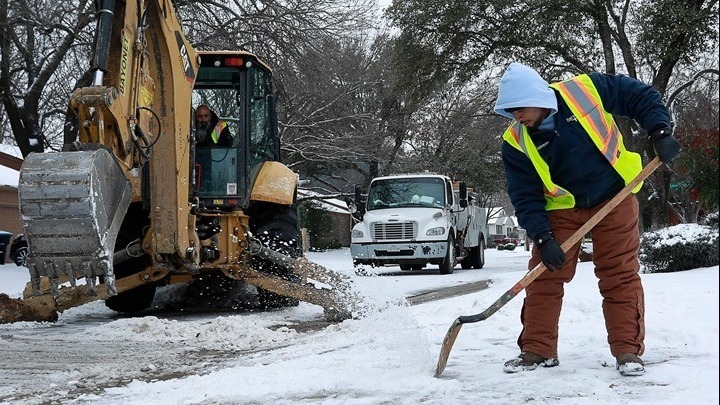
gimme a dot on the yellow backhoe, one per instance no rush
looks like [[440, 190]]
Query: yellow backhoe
[[134, 201]]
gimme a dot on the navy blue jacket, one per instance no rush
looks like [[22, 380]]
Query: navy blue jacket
[[575, 162]]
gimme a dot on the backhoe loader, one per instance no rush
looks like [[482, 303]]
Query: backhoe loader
[[134, 202]]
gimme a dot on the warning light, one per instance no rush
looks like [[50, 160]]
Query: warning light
[[234, 61]]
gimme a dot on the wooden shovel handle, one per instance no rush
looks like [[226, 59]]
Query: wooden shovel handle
[[590, 224]]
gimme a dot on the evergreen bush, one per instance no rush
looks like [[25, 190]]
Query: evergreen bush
[[679, 247]]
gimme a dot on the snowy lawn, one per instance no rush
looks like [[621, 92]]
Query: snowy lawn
[[389, 356]]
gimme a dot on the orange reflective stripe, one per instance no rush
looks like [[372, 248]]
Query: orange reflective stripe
[[572, 97], [586, 104], [514, 133], [553, 193], [218, 130]]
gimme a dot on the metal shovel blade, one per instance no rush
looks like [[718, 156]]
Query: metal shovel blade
[[447, 345]]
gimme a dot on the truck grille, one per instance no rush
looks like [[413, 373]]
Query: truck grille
[[394, 230]]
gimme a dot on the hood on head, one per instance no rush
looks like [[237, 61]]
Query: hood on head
[[522, 86]]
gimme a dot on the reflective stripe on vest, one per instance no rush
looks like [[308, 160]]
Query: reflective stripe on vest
[[580, 94], [217, 131], [584, 102]]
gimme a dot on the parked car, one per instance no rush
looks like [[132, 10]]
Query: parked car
[[506, 246], [505, 241], [4, 242], [19, 250]]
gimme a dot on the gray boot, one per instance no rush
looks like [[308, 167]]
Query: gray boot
[[527, 361], [629, 364]]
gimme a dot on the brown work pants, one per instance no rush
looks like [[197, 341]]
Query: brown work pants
[[616, 241]]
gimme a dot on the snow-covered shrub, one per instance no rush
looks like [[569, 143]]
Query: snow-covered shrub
[[712, 220], [679, 247]]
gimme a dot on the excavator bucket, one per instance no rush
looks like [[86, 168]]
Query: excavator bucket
[[72, 205]]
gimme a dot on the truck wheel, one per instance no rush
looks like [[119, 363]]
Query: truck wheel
[[361, 267], [448, 263], [477, 254], [467, 262]]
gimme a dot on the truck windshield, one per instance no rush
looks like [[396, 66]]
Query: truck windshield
[[411, 192]]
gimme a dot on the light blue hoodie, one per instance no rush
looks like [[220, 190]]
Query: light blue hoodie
[[522, 86]]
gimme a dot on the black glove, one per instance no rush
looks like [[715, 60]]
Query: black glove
[[551, 253], [666, 146]]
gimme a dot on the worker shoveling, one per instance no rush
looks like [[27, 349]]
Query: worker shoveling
[[454, 329]]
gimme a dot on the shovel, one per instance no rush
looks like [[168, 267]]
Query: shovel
[[454, 330]]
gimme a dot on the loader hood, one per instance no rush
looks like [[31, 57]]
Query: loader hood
[[522, 86]]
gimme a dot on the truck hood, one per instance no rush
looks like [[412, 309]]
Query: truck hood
[[404, 214]]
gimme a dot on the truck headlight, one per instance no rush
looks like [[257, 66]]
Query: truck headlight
[[435, 231], [356, 233]]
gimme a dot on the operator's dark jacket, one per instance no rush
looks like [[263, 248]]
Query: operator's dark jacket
[[575, 162]]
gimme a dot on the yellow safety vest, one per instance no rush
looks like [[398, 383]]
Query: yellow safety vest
[[217, 131], [584, 101]]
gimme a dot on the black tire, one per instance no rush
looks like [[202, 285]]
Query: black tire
[[132, 301], [139, 298], [466, 263], [217, 292], [21, 255], [447, 265], [277, 227], [477, 254]]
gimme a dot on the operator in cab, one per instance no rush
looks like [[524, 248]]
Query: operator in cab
[[210, 130]]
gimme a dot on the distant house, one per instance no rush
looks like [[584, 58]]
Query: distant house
[[501, 225], [9, 173], [9, 205]]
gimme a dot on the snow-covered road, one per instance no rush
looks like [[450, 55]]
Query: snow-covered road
[[91, 355]]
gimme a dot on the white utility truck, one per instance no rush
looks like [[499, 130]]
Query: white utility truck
[[413, 220]]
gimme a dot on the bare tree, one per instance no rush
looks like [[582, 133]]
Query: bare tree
[[37, 67]]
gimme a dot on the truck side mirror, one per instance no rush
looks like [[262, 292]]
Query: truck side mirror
[[463, 195], [358, 194]]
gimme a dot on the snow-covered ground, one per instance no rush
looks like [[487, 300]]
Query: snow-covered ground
[[389, 356]]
